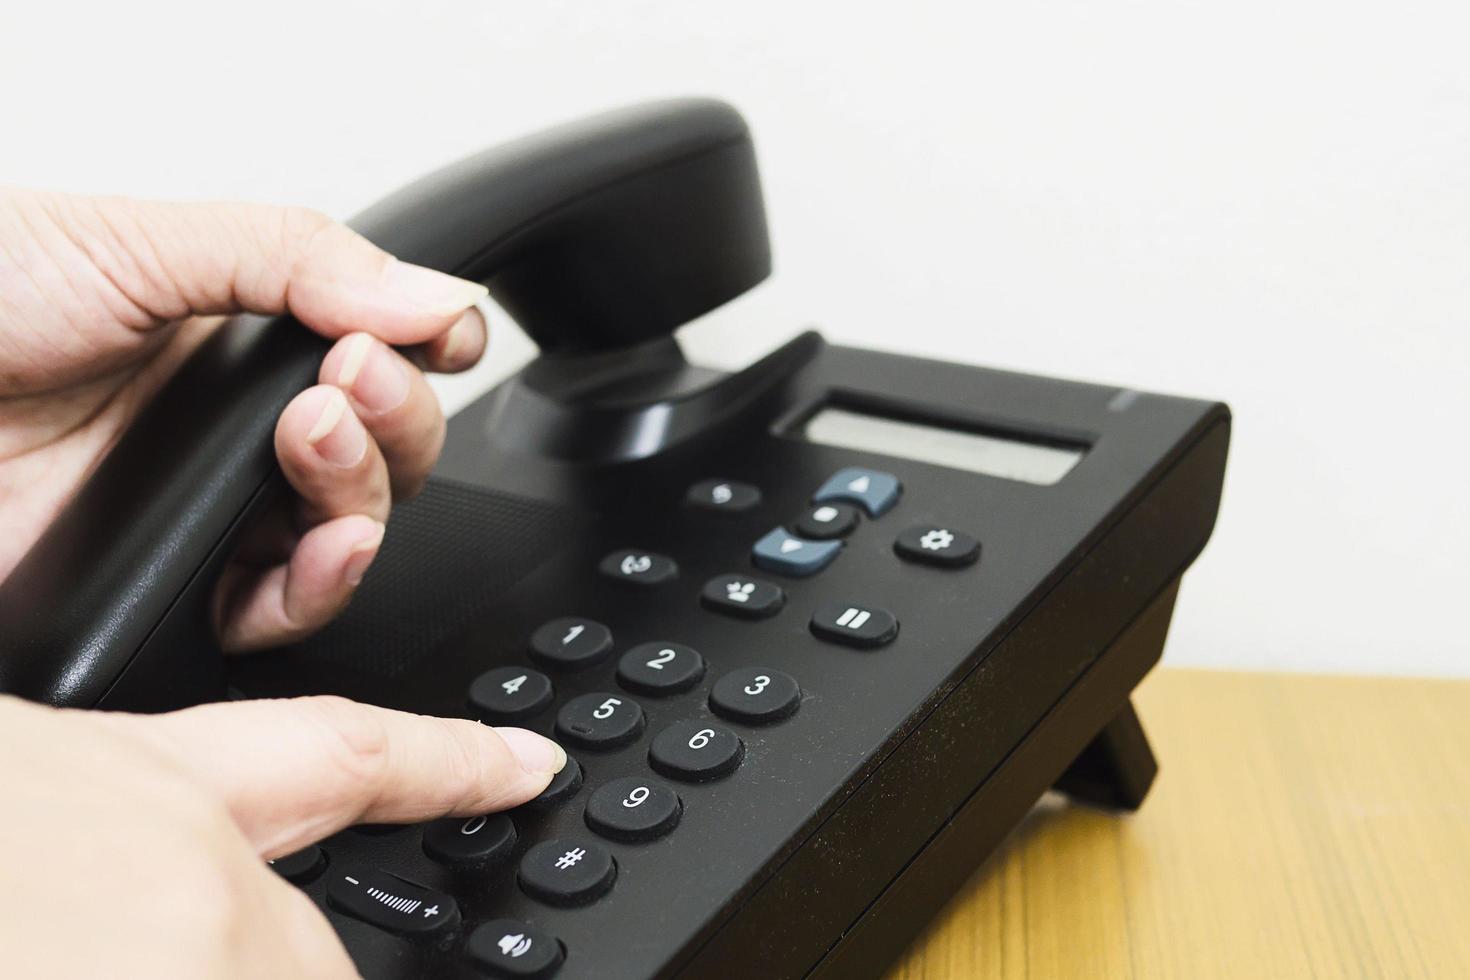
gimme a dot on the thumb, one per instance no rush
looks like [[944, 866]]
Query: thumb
[[294, 771], [169, 260]]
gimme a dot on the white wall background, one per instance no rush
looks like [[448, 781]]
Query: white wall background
[[1266, 201]]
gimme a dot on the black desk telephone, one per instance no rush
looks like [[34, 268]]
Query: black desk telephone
[[816, 634]]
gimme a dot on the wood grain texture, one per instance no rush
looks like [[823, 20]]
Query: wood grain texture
[[1301, 826]]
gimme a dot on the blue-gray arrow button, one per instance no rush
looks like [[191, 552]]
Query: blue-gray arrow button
[[782, 552]]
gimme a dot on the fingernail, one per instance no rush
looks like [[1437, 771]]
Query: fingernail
[[430, 290], [535, 753], [459, 337], [338, 437], [373, 374], [361, 556]]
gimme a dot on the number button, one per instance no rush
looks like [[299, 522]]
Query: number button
[[472, 842], [301, 866], [507, 948], [600, 720], [660, 668], [756, 695], [571, 642], [633, 808], [696, 751], [509, 694], [561, 788], [567, 872]]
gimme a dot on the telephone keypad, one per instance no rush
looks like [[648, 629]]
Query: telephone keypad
[[600, 720], [660, 668], [470, 841], [633, 808], [756, 695], [506, 695], [511, 949], [571, 642], [742, 596], [567, 871], [854, 624], [695, 751]]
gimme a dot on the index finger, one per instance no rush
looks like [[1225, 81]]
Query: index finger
[[294, 771]]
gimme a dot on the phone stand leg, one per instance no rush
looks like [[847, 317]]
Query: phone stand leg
[[1116, 768]]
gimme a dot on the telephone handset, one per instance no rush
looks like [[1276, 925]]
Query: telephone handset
[[816, 634], [598, 237]]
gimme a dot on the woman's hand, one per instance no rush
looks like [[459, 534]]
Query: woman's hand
[[102, 298], [133, 844]]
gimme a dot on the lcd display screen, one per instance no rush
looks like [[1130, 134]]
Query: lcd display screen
[[994, 455]]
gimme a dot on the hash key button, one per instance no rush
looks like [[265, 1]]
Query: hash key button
[[755, 695], [935, 545], [389, 902], [511, 949], [858, 626], [565, 871], [571, 642], [743, 596]]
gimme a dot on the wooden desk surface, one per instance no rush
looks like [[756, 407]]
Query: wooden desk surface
[[1300, 826]]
